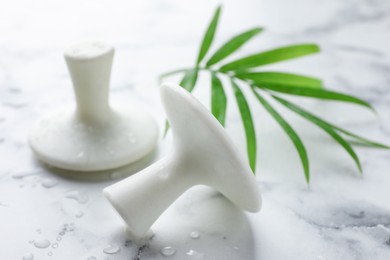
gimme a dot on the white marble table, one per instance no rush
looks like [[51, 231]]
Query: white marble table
[[343, 215]]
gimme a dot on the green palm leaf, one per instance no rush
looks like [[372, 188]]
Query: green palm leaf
[[315, 93], [326, 127], [280, 78], [249, 127], [209, 36], [304, 113], [290, 132], [232, 45], [269, 82], [272, 56], [218, 99]]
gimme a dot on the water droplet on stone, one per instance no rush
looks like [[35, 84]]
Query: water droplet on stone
[[55, 245], [41, 243], [111, 249], [70, 227], [194, 235], [195, 254], [59, 238], [168, 251], [28, 256], [116, 174], [15, 89], [16, 104], [80, 197], [49, 182], [22, 174], [79, 214]]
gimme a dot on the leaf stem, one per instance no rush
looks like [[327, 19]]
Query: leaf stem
[[173, 72]]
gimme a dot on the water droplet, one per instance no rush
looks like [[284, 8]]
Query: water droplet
[[91, 258], [59, 238], [22, 174], [16, 104], [195, 254], [168, 251], [55, 245], [194, 235], [80, 155], [70, 227], [79, 214], [111, 249], [28, 256], [50, 253], [116, 175], [80, 197], [14, 89], [41, 243], [49, 182]]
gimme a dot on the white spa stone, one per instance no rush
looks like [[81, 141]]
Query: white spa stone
[[203, 154], [96, 135]]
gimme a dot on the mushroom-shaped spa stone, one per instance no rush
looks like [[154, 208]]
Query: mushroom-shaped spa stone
[[202, 154], [95, 135]]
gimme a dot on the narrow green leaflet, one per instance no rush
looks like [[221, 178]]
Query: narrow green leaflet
[[218, 99], [249, 127], [188, 82], [279, 78], [366, 143], [326, 127], [209, 36], [290, 132], [232, 45], [272, 56], [313, 118], [342, 142], [316, 93]]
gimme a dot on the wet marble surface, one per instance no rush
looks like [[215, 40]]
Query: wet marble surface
[[343, 215]]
